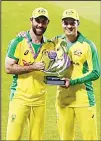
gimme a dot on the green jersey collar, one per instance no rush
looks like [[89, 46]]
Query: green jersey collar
[[44, 39]]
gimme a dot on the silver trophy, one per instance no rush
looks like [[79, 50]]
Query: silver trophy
[[56, 62]]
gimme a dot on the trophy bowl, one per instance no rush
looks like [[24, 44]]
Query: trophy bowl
[[56, 62]]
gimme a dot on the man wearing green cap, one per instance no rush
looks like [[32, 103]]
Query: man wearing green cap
[[27, 98], [76, 99]]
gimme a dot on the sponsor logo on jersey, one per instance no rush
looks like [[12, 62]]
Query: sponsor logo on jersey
[[77, 52], [75, 63], [26, 52]]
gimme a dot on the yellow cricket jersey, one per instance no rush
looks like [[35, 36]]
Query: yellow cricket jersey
[[29, 87], [84, 69]]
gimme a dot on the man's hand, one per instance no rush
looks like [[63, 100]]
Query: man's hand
[[38, 66], [67, 84], [22, 34]]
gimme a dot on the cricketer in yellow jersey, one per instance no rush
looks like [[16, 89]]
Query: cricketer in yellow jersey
[[76, 98], [27, 98]]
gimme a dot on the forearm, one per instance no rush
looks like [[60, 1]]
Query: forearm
[[18, 69], [90, 77]]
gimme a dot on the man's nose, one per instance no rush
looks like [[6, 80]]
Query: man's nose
[[40, 24], [69, 26]]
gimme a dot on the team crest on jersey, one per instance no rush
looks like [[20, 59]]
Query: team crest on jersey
[[26, 52], [77, 52], [13, 118]]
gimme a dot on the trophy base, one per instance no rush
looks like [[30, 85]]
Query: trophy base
[[54, 80]]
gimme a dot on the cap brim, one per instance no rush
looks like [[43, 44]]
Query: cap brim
[[40, 16], [69, 17]]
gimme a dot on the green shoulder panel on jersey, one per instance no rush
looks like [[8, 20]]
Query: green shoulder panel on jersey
[[95, 59], [12, 47], [95, 73]]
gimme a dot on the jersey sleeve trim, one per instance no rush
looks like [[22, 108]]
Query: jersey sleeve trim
[[12, 48]]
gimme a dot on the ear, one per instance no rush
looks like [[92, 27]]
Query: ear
[[31, 19], [48, 21], [78, 22]]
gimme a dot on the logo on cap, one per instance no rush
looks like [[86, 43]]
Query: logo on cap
[[69, 12], [41, 11]]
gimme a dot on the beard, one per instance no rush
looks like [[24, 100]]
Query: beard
[[38, 31]]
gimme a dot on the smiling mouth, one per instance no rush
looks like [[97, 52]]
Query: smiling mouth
[[69, 30], [39, 30]]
